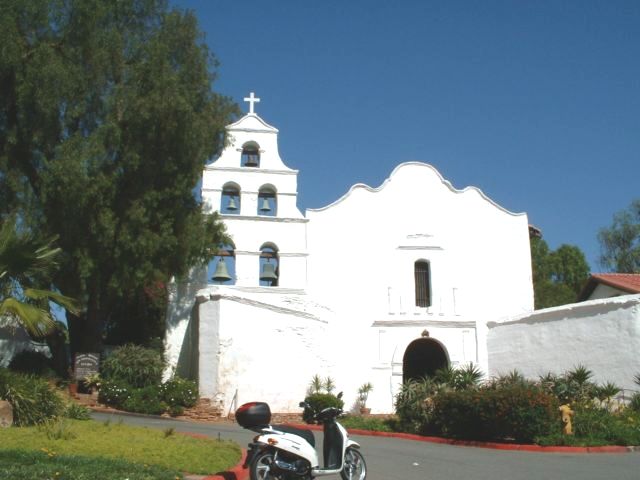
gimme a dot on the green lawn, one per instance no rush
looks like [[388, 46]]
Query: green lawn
[[66, 446]]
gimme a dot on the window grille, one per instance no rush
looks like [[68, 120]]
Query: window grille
[[422, 276]]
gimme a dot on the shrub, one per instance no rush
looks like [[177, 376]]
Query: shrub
[[634, 404], [460, 378], [595, 426], [572, 386], [114, 393], [77, 412], [511, 379], [32, 398], [145, 400], [413, 408], [599, 425], [318, 402], [29, 361], [518, 412], [175, 410], [179, 392], [368, 423], [135, 365]]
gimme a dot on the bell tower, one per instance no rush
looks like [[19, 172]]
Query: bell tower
[[255, 194]]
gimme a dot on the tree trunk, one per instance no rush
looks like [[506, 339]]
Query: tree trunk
[[59, 352], [85, 330]]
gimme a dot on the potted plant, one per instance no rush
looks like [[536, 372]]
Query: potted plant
[[92, 382], [73, 388], [363, 395], [73, 384]]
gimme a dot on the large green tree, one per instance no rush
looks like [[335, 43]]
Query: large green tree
[[558, 275], [107, 116], [620, 243]]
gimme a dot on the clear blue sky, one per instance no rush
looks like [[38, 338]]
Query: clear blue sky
[[537, 103]]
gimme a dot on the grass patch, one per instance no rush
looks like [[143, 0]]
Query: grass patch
[[116, 441], [30, 465], [363, 422]]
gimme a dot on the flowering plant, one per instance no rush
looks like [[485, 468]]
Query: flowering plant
[[93, 381]]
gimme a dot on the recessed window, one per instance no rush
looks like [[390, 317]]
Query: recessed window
[[267, 201], [422, 276], [230, 200], [250, 155], [269, 265], [222, 268]]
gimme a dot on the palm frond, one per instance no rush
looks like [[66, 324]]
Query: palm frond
[[36, 321], [65, 302]]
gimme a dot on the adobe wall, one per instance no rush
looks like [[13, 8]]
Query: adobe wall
[[602, 335]]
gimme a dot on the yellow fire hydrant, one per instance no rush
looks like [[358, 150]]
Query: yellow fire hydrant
[[566, 413]]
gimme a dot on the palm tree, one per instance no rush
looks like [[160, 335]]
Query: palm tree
[[25, 265]]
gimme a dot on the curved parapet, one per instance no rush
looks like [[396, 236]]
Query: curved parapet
[[413, 164]]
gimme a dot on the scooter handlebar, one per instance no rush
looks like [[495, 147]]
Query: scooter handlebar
[[324, 414]]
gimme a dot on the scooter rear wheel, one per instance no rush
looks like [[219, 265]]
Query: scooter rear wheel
[[354, 466], [262, 468]]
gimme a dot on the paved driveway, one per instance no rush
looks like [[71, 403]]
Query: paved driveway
[[397, 459]]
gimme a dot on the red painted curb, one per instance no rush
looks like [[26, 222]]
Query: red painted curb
[[473, 443], [236, 473]]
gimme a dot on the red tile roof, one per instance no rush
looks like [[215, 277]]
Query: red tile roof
[[627, 282]]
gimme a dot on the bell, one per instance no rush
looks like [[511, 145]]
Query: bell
[[268, 272], [252, 160], [232, 204], [265, 205], [221, 274]]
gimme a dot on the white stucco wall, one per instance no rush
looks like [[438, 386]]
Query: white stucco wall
[[180, 351], [14, 340], [259, 345], [367, 242], [602, 335], [362, 251]]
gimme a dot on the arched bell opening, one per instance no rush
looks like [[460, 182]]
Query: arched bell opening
[[250, 155], [422, 358], [230, 200], [267, 201], [269, 265], [222, 268]]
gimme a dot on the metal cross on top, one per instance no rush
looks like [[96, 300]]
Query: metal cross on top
[[251, 99]]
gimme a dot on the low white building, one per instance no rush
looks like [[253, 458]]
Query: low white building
[[382, 285]]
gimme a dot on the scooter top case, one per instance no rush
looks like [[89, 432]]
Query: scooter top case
[[253, 415]]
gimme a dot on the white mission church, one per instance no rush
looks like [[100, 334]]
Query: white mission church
[[448, 282]]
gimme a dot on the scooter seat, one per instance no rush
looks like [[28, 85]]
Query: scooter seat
[[301, 432]]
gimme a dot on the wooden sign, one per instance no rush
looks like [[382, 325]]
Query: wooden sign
[[86, 364]]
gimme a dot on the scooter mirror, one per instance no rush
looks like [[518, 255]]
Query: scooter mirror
[[340, 395], [302, 404]]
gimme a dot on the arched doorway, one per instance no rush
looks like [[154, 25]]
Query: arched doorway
[[422, 358]]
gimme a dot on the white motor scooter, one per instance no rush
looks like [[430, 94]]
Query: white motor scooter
[[281, 452]]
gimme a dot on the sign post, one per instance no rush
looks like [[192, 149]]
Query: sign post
[[86, 364]]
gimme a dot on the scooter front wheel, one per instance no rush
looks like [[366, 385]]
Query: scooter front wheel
[[354, 466], [262, 467]]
